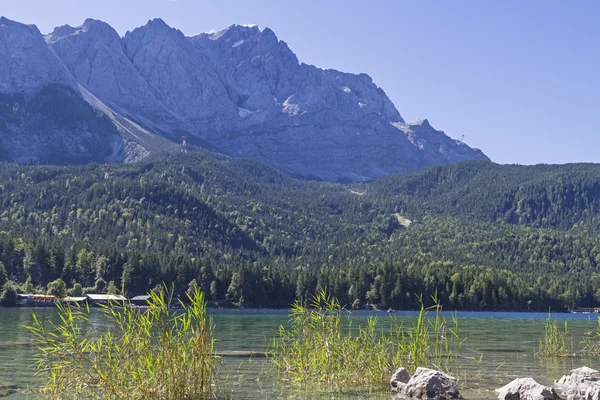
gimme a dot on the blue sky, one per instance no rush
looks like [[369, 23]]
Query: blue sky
[[521, 80]]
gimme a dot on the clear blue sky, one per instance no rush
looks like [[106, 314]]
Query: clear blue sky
[[520, 79]]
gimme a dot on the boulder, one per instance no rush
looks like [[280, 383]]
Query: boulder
[[526, 389], [582, 384], [425, 384], [399, 379]]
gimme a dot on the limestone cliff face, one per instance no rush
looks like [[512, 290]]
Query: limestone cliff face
[[94, 55], [26, 63], [47, 116], [42, 116], [241, 90]]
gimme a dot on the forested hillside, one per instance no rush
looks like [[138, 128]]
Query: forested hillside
[[551, 196], [483, 236]]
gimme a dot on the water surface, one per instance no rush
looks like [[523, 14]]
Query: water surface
[[499, 348]]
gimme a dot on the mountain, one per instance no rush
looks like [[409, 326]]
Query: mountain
[[480, 235], [46, 116], [240, 91], [94, 55]]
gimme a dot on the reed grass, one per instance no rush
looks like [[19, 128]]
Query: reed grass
[[153, 353], [591, 341], [430, 341], [320, 347], [556, 342]]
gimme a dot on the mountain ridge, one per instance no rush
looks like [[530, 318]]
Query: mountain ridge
[[240, 90]]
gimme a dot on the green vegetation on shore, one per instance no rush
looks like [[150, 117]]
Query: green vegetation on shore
[[320, 347], [482, 236], [155, 353]]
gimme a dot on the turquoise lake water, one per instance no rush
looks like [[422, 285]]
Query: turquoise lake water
[[499, 347]]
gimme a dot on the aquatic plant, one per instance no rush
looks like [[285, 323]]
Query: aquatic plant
[[429, 341], [556, 342], [318, 348], [153, 353], [591, 341]]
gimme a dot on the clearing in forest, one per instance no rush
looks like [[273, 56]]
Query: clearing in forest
[[405, 222]]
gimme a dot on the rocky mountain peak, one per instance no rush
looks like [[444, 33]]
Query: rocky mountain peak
[[60, 32], [269, 37], [181, 76], [10, 24], [26, 62], [420, 124], [241, 42], [241, 90], [92, 30], [158, 24], [154, 28], [101, 29], [234, 32], [95, 56]]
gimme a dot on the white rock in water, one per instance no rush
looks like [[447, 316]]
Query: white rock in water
[[424, 384], [526, 389], [581, 384]]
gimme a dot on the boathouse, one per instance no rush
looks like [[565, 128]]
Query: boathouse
[[140, 300], [96, 299]]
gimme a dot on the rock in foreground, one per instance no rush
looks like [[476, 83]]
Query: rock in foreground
[[582, 384], [424, 384], [400, 376], [526, 389]]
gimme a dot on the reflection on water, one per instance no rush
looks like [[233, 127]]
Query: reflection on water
[[499, 348]]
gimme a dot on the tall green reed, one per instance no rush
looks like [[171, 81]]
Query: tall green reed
[[320, 347], [591, 341], [430, 341], [556, 342], [153, 353]]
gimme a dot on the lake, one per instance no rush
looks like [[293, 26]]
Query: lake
[[500, 347]]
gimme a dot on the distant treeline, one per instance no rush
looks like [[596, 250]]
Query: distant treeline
[[483, 236]]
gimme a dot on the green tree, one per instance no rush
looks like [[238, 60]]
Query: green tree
[[27, 286], [8, 296], [214, 291], [57, 288], [76, 290], [372, 295], [112, 288], [3, 275], [100, 285]]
